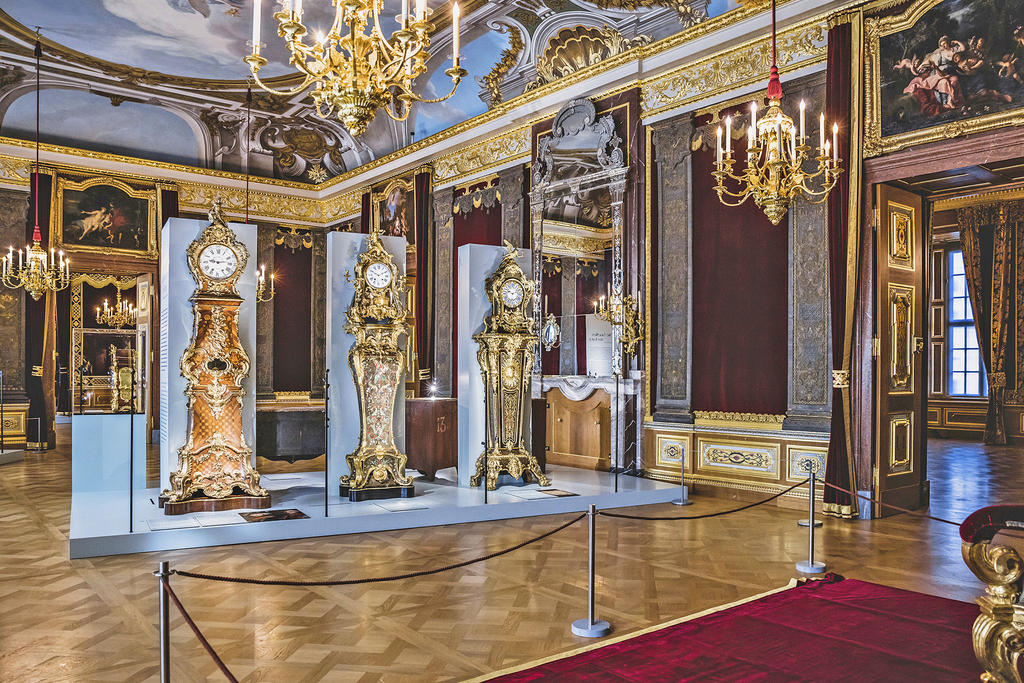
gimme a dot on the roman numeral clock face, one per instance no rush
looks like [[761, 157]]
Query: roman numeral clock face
[[217, 261], [378, 275]]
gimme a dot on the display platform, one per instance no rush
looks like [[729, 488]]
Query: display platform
[[99, 520]]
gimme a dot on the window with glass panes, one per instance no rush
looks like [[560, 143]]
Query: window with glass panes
[[966, 371]]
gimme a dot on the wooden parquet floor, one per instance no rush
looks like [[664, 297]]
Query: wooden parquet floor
[[95, 619]]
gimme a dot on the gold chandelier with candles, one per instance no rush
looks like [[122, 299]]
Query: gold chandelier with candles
[[122, 314], [354, 69], [776, 171], [36, 271]]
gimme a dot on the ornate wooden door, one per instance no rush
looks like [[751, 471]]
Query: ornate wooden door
[[899, 359]]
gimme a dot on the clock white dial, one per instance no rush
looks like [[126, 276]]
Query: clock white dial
[[512, 293], [378, 275], [217, 261]]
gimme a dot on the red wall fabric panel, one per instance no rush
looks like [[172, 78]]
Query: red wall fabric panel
[[168, 206], [293, 315], [740, 292], [424, 274], [589, 288], [479, 226], [365, 212]]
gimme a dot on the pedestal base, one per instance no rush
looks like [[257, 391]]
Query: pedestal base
[[381, 493], [582, 627], [810, 567], [204, 504]]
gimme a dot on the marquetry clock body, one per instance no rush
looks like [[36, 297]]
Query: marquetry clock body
[[376, 319], [505, 355], [215, 469]]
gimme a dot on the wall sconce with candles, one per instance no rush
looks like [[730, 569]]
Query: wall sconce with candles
[[261, 285]]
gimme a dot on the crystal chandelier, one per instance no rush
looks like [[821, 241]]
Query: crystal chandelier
[[122, 314], [354, 69], [777, 153], [36, 271]]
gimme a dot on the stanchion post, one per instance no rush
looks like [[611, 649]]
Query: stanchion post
[[809, 465], [810, 566], [327, 439], [2, 440], [591, 627], [131, 455], [684, 490], [162, 574]]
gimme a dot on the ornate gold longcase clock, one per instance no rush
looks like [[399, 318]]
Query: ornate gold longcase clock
[[376, 319], [215, 469], [506, 362]]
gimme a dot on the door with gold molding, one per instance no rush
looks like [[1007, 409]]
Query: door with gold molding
[[899, 359]]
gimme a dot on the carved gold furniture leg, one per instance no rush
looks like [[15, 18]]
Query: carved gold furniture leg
[[993, 541]]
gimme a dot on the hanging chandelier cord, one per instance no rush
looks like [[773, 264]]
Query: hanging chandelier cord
[[36, 235], [774, 84]]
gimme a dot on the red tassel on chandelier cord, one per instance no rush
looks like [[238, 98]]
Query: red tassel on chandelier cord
[[774, 84]]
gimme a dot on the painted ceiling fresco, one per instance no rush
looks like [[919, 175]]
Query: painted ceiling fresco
[[164, 79]]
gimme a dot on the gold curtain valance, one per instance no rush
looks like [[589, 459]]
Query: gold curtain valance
[[995, 213]]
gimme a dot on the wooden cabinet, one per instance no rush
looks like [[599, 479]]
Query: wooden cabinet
[[579, 432], [431, 437]]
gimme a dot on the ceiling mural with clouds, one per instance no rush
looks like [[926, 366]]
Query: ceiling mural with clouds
[[164, 79]]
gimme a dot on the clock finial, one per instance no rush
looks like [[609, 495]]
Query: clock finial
[[214, 214], [512, 250]]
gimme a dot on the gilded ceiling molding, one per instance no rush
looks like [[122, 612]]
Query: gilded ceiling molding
[[573, 49], [802, 45], [509, 57], [15, 170], [199, 197], [505, 147]]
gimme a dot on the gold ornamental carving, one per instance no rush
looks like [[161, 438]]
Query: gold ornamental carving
[[998, 633], [214, 465], [509, 57], [504, 148], [505, 355], [574, 49], [377, 320]]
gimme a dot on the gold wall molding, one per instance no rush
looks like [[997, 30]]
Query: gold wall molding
[[508, 146], [274, 205], [805, 44], [719, 418], [995, 196]]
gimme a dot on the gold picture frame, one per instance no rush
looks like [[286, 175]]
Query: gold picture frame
[[137, 209], [388, 223], [875, 141]]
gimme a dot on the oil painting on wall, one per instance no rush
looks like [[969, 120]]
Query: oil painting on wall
[[106, 215], [963, 59], [396, 211]]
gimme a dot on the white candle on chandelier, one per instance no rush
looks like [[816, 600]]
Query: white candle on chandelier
[[257, 12], [19, 259], [405, 13], [297, 9], [753, 117], [835, 142], [421, 9], [728, 137], [821, 131], [792, 145], [718, 145], [456, 13], [803, 106], [828, 149]]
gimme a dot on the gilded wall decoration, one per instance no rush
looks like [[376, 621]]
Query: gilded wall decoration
[[511, 192], [509, 57], [901, 236], [504, 148], [443, 318], [901, 443], [901, 316], [941, 69], [810, 359], [802, 45], [579, 47], [105, 215], [671, 147], [689, 13], [753, 459], [293, 239], [485, 197], [797, 459]]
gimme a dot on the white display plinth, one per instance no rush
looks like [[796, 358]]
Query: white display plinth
[[100, 453], [343, 250], [476, 263], [176, 287]]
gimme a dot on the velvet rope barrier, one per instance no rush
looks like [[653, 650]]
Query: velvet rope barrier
[[378, 579], [620, 515], [199, 634]]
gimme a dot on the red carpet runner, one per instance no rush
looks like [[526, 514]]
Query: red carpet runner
[[831, 630]]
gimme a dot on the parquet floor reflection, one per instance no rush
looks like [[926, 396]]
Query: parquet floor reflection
[[95, 619]]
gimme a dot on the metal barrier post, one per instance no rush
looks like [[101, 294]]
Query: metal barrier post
[[684, 490], [165, 623], [809, 466], [327, 441], [590, 627], [810, 566]]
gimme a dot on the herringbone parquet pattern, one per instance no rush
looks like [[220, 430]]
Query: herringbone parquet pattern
[[95, 620]]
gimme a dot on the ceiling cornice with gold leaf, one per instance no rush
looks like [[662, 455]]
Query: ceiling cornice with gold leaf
[[506, 147]]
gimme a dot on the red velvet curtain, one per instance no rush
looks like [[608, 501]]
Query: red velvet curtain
[[424, 274], [480, 226], [365, 213], [168, 206], [839, 465], [740, 292], [293, 315], [552, 292]]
